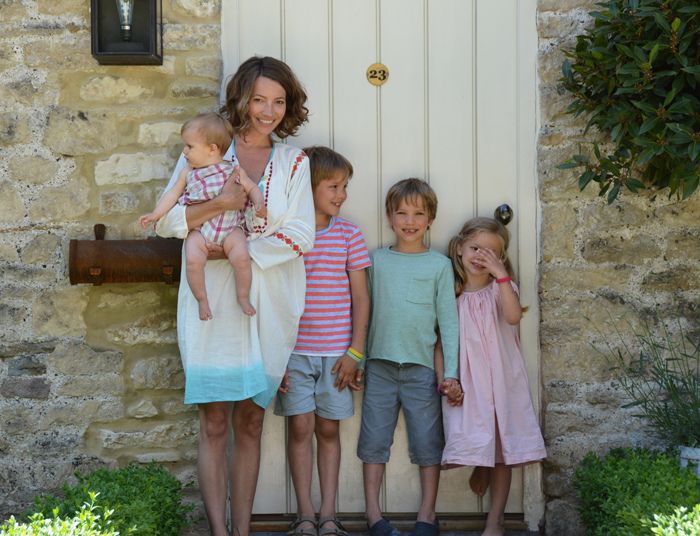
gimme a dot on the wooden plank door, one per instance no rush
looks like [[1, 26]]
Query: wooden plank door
[[459, 110]]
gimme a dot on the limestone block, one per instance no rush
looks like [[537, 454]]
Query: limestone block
[[554, 102], [565, 5], [166, 456], [74, 132], [60, 313], [561, 517], [69, 412], [9, 55], [161, 134], [113, 89], [64, 7], [23, 274], [187, 88], [676, 214], [73, 358], [683, 244], [91, 386], [13, 319], [623, 212], [142, 409], [633, 249], [8, 253], [113, 300], [206, 66], [132, 168], [26, 348], [68, 202], [556, 23], [559, 224], [158, 373], [24, 87], [168, 435], [557, 484], [14, 128], [25, 387], [70, 53], [190, 37], [557, 184], [26, 365], [550, 57], [32, 169], [120, 202], [13, 209], [13, 10], [42, 249], [683, 277], [177, 407], [157, 328], [558, 280], [197, 8], [560, 391]]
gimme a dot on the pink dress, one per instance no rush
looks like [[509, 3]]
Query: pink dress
[[496, 423]]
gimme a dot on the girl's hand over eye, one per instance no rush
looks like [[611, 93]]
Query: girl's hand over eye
[[489, 260]]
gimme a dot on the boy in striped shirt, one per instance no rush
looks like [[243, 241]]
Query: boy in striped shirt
[[323, 369]]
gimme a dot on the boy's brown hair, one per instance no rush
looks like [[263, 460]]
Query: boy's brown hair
[[411, 190], [213, 128], [324, 162]]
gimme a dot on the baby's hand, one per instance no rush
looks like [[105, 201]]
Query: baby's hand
[[451, 388], [147, 219]]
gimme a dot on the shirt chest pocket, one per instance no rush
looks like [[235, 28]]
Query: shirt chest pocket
[[420, 291]]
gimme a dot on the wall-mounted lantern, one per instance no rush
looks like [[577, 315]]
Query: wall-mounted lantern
[[127, 32]]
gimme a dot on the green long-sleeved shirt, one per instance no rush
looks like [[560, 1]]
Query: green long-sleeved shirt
[[412, 297]]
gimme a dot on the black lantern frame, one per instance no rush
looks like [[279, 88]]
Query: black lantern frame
[[146, 44]]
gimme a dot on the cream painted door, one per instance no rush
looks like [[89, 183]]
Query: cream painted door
[[459, 110]]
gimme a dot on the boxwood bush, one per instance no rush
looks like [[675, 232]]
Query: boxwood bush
[[621, 493], [144, 498], [682, 522]]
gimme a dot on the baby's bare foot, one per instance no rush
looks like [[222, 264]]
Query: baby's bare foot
[[479, 481], [204, 311], [246, 306]]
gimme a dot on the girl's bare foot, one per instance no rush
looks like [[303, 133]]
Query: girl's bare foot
[[246, 306], [479, 481], [204, 311]]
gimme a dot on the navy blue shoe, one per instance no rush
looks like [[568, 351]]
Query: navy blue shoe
[[423, 528], [383, 528]]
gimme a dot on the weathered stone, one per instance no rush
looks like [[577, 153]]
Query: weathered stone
[[165, 435], [158, 373], [72, 358], [683, 244], [559, 231], [162, 133], [142, 409], [674, 279], [558, 184], [144, 300], [24, 87], [559, 280], [24, 387], [49, 314], [191, 37], [561, 517], [13, 208], [26, 349], [194, 89], [623, 213], [26, 274], [120, 202], [72, 132], [131, 168], [42, 249], [8, 56], [86, 385], [676, 214], [70, 54], [562, 6], [68, 202], [621, 249], [8, 253], [197, 8], [206, 66], [177, 407], [13, 10], [110, 89], [13, 318], [27, 365], [159, 457], [64, 7], [14, 128], [553, 24], [32, 169], [158, 328]]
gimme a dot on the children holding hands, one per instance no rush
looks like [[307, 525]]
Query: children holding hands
[[326, 364], [206, 139]]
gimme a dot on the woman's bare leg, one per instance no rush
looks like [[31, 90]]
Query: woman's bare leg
[[247, 431], [211, 462], [196, 257], [500, 487], [236, 249]]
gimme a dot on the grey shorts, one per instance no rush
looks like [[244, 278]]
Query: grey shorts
[[311, 389], [388, 387]]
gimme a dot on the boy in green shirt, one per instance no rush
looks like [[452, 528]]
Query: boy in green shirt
[[412, 291]]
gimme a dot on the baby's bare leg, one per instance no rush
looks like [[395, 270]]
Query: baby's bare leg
[[196, 258], [236, 249]]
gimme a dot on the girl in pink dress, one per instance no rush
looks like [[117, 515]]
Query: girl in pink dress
[[491, 425]]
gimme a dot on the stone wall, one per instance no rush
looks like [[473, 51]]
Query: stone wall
[[91, 375], [601, 267]]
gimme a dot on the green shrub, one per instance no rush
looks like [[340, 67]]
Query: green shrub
[[87, 521], [681, 523], [621, 493], [145, 497]]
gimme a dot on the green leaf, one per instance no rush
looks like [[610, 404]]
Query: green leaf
[[612, 194], [566, 70], [692, 69], [661, 21], [693, 151], [615, 132], [569, 164], [649, 124], [633, 185], [584, 179], [676, 24], [689, 9], [654, 52], [645, 107], [646, 155]]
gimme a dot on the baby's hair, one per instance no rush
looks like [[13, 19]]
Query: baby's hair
[[411, 190], [240, 89], [214, 129], [471, 228], [325, 162]]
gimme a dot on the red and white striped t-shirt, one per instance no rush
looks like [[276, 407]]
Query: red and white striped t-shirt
[[325, 328]]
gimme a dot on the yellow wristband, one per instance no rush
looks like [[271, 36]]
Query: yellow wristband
[[357, 356]]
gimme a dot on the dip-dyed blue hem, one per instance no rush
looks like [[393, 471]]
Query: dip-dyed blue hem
[[208, 384]]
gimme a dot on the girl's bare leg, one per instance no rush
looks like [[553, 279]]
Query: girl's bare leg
[[299, 449], [500, 487], [328, 444], [236, 249], [479, 481], [247, 431], [211, 463], [196, 256]]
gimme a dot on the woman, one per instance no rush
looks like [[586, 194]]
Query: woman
[[233, 363]]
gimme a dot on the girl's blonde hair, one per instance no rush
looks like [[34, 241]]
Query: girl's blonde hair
[[469, 229]]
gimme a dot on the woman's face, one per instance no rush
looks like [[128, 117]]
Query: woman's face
[[267, 106]]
